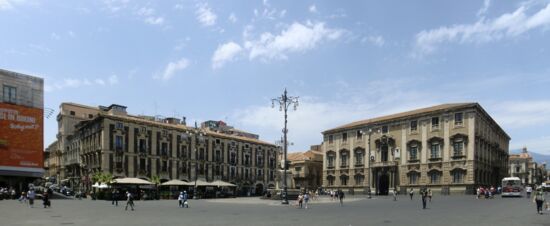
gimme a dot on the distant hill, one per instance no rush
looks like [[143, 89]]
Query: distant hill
[[539, 158]]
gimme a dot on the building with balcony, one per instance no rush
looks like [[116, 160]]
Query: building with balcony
[[450, 148], [306, 168], [113, 141]]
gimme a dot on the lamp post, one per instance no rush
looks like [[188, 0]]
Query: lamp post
[[285, 102], [369, 131]]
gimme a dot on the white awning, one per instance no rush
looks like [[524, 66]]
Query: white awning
[[131, 180], [221, 183], [176, 182]]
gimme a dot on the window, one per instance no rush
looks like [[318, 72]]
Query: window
[[434, 153], [330, 161], [344, 160], [344, 180], [142, 147], [330, 139], [359, 134], [458, 177], [119, 125], [413, 178], [184, 152], [232, 158], [384, 129], [260, 173], [297, 169], [247, 160], [90, 116], [414, 125], [164, 166], [518, 169], [344, 137], [217, 170], [359, 158], [271, 176], [10, 94], [435, 178], [260, 160], [164, 149], [330, 181], [232, 172], [118, 143], [142, 164], [458, 118], [359, 179], [72, 113], [458, 146], [413, 152], [435, 122], [218, 156]]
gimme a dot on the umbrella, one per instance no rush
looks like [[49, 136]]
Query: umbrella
[[176, 182], [131, 180], [221, 183]]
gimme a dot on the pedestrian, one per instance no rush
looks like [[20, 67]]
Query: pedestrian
[[430, 194], [13, 193], [411, 193], [424, 194], [539, 199], [129, 201], [300, 200], [114, 197], [23, 198], [46, 200], [31, 195], [528, 191], [306, 199], [341, 197], [185, 197], [331, 195], [180, 199], [394, 195], [478, 192]]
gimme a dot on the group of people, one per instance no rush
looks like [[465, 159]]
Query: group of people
[[129, 199], [487, 192], [30, 196]]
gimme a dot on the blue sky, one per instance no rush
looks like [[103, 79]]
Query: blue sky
[[347, 60]]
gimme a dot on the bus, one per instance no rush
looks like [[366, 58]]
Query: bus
[[511, 186]]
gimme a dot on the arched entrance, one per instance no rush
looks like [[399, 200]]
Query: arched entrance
[[383, 184], [259, 189]]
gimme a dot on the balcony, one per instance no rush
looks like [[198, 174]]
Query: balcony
[[383, 164]]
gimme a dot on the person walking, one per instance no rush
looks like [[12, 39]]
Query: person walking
[[528, 191], [23, 198], [411, 193], [300, 200], [430, 195], [46, 200], [31, 195], [394, 195], [306, 199], [129, 201], [539, 199], [424, 194], [180, 200], [341, 197], [185, 197], [114, 197]]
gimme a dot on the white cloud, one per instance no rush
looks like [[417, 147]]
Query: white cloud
[[75, 83], [154, 20], [115, 6], [376, 40], [232, 18], [205, 15], [172, 68], [71, 34], [225, 53], [145, 11], [520, 114], [483, 10], [10, 4], [55, 36], [113, 79], [282, 13], [296, 38], [508, 25], [313, 9], [178, 6]]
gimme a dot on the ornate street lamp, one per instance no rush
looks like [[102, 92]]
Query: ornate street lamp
[[284, 102]]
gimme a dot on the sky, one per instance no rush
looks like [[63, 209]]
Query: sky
[[345, 60]]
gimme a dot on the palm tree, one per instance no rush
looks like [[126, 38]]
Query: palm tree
[[155, 179]]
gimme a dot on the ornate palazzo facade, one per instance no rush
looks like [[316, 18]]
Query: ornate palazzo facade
[[449, 148]]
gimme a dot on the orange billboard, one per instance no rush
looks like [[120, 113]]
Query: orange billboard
[[21, 136]]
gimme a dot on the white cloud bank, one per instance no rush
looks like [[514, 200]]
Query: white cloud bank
[[297, 37], [205, 15], [225, 53], [77, 83], [508, 25]]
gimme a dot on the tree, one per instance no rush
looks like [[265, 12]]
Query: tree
[[155, 179]]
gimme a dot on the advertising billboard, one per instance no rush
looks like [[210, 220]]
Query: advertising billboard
[[21, 136]]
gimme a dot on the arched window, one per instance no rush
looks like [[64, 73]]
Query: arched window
[[344, 158], [458, 176], [344, 180], [435, 177], [331, 156], [414, 177], [359, 179], [413, 149], [459, 143], [359, 156], [436, 144]]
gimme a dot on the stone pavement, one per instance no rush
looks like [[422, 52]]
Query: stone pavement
[[443, 210]]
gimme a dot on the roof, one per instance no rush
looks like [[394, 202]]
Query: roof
[[302, 156], [414, 113], [442, 107], [182, 127]]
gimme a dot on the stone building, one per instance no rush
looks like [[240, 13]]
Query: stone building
[[110, 140], [448, 148], [522, 166], [306, 168], [21, 129]]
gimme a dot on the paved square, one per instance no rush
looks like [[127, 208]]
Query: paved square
[[443, 210]]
